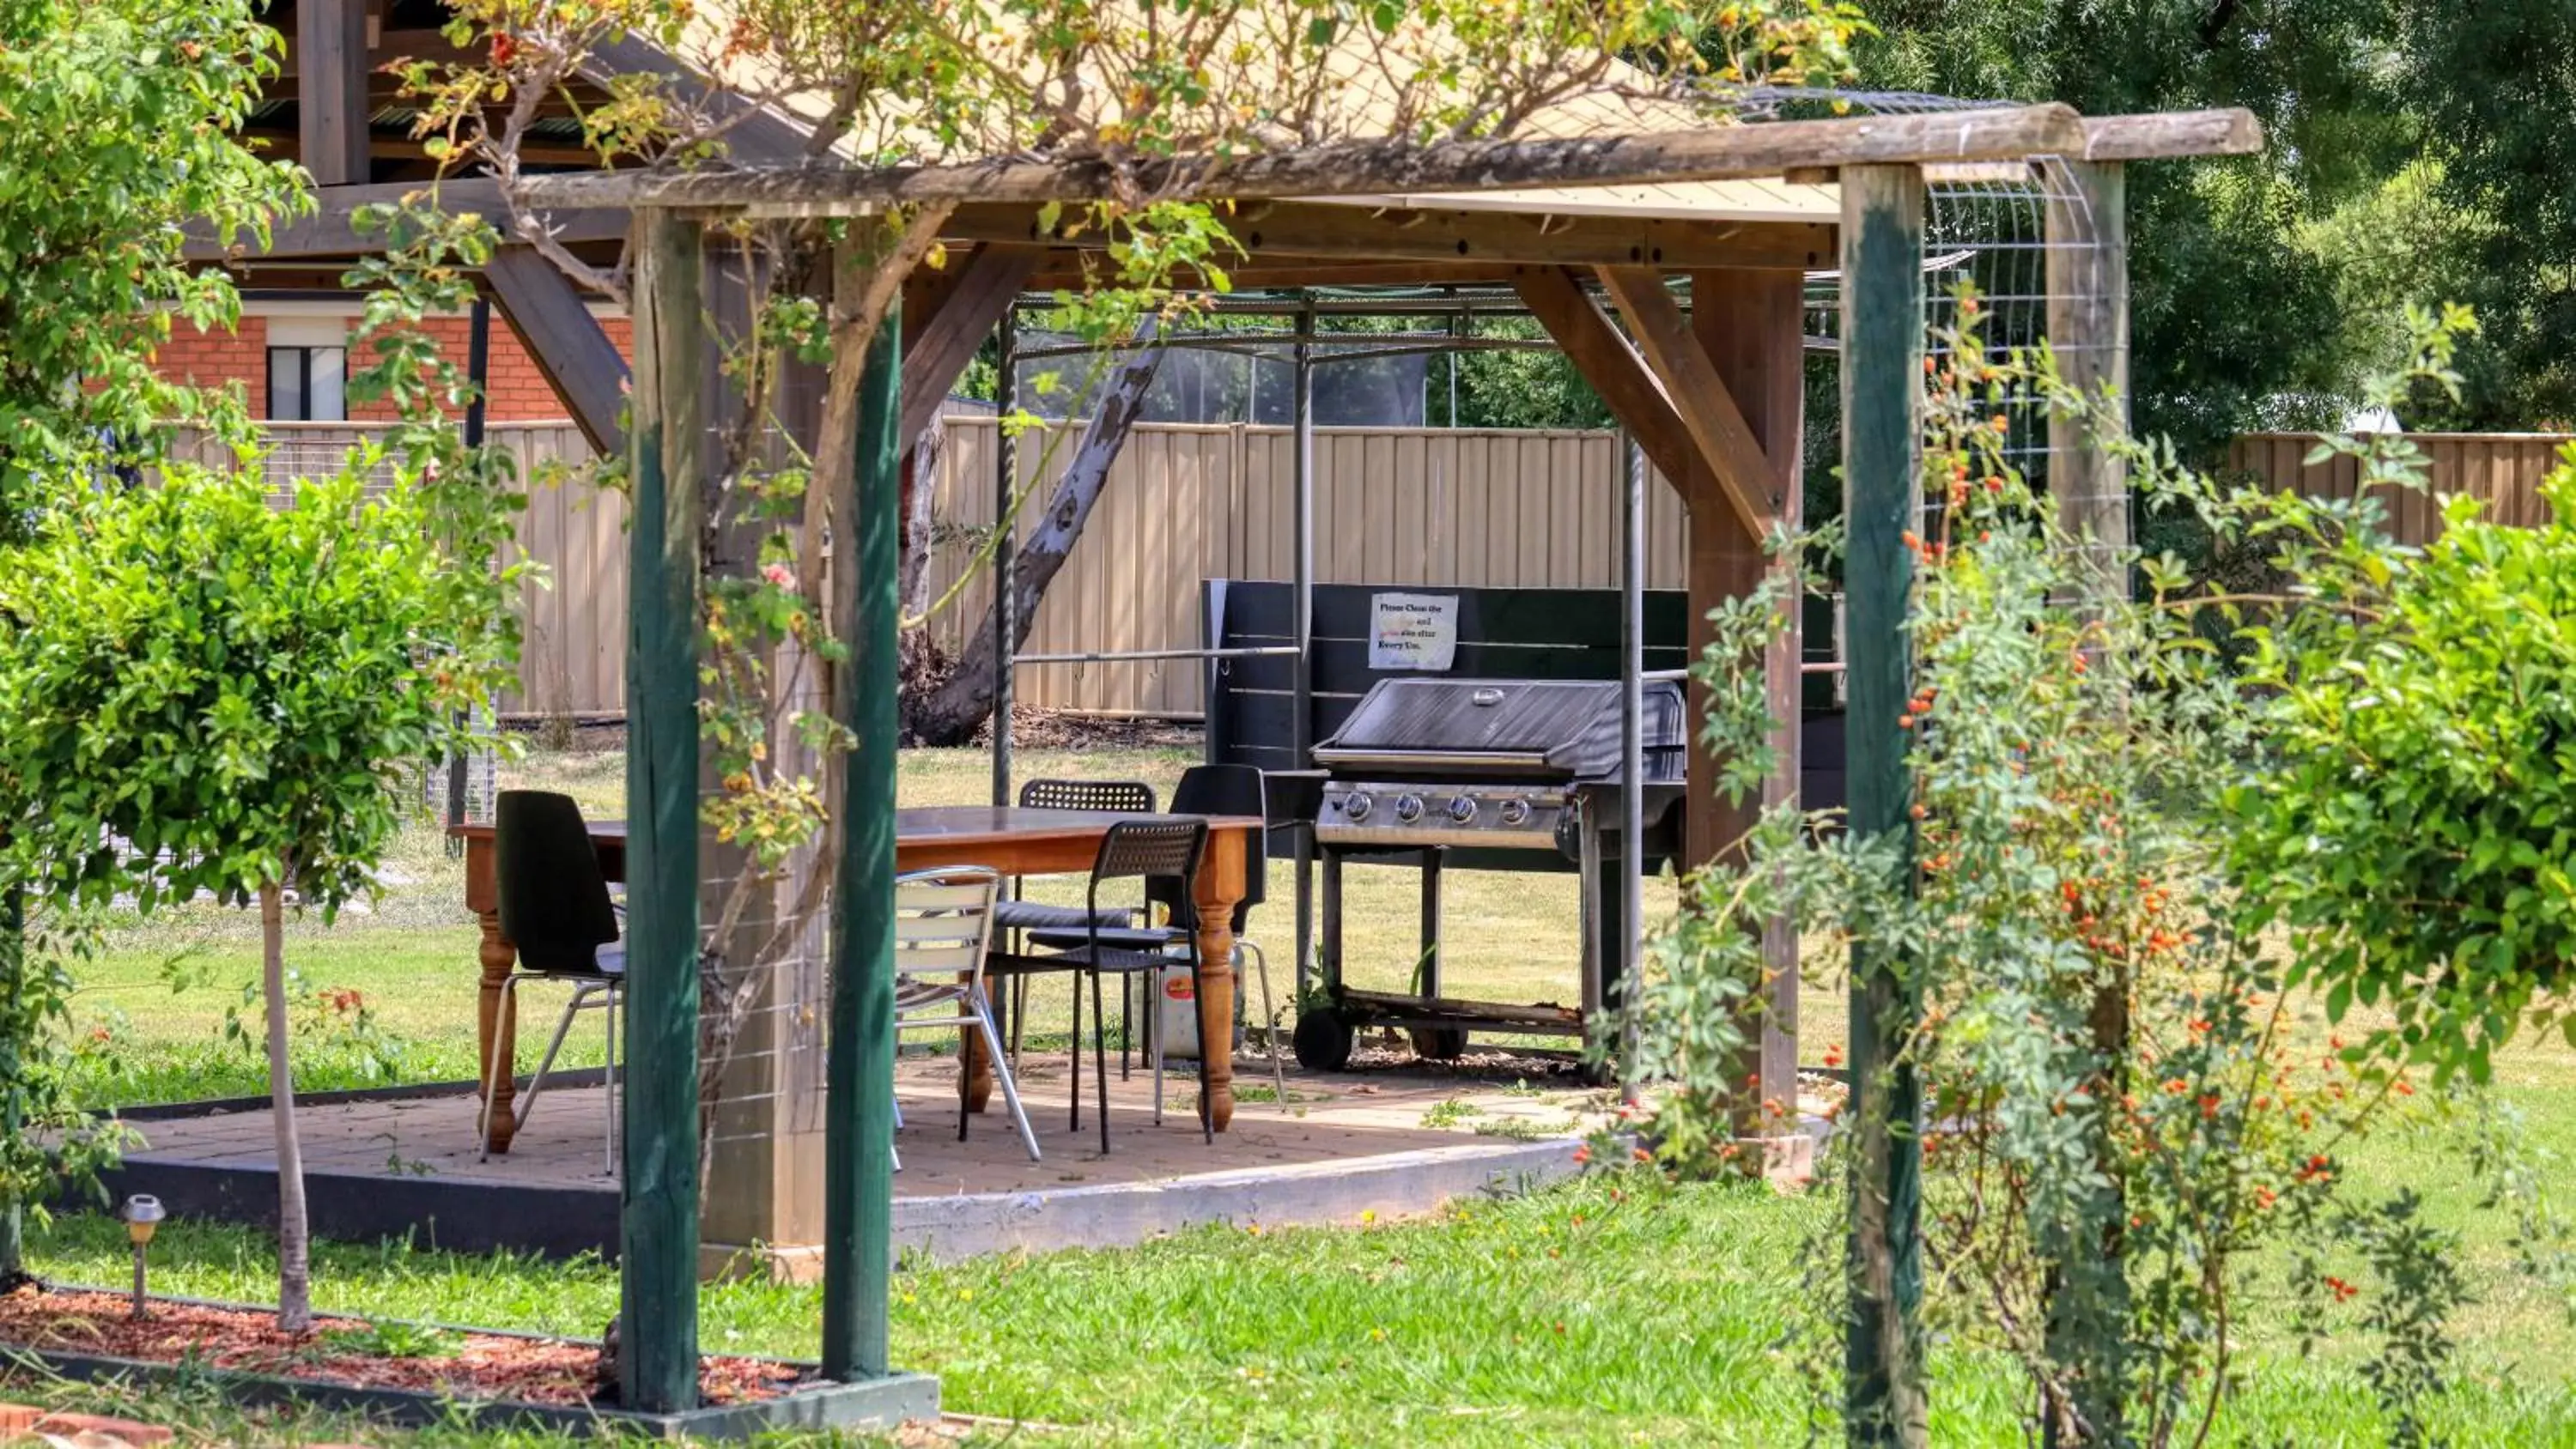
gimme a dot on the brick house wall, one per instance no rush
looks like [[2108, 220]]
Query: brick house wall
[[515, 392]]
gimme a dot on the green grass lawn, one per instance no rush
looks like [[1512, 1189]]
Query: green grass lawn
[[1591, 1314]]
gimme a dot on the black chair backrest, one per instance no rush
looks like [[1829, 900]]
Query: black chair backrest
[[1132, 796], [1223, 790], [554, 898], [1156, 850]]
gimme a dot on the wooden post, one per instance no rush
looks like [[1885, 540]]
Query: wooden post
[[1752, 325], [331, 90], [858, 1202], [2088, 331], [1882, 360], [658, 1235]]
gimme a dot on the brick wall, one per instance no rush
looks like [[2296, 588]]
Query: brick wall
[[212, 359], [516, 392]]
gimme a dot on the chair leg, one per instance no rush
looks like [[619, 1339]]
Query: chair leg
[[1099, 1060], [1154, 1044], [965, 1082], [616, 1004], [563, 1028], [1126, 1024], [1198, 993], [1269, 1018], [1010, 1089], [1076, 1119]]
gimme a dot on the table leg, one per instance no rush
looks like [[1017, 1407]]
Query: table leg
[[496, 1030], [1220, 886]]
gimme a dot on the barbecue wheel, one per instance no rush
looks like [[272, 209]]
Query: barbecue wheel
[[1439, 1043], [1323, 1041]]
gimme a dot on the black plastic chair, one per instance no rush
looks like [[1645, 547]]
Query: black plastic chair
[[1216, 790], [557, 910], [1012, 915], [1151, 851]]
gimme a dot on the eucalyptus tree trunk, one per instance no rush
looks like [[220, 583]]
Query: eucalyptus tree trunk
[[951, 713], [294, 1235]]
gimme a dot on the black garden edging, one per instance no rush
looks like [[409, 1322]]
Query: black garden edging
[[875, 1403]]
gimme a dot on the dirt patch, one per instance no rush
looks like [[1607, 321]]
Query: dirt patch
[[469, 1365]]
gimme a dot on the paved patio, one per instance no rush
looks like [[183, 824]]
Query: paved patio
[[1399, 1138]]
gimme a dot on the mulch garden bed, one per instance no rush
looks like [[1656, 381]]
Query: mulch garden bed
[[544, 1371]]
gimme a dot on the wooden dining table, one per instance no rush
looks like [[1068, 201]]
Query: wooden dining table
[[1013, 840]]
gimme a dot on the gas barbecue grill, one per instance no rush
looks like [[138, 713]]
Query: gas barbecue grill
[[1495, 774]]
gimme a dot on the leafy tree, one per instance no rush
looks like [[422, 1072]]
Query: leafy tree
[[2230, 317], [2119, 1128], [223, 696], [2494, 83], [122, 120]]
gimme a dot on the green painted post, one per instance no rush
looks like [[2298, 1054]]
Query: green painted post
[[658, 1205], [1882, 364], [858, 1203], [13, 964]]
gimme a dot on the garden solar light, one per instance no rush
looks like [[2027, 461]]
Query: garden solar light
[[142, 1214]]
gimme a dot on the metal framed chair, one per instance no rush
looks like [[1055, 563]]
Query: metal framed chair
[[1206, 790], [556, 908], [1013, 915], [943, 921], [1142, 850]]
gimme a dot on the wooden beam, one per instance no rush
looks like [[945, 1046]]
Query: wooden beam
[[1750, 326], [1386, 235], [1698, 396], [2174, 133], [331, 94], [755, 133], [390, 46], [1064, 271], [1611, 365], [566, 341], [1379, 166], [331, 231], [937, 356]]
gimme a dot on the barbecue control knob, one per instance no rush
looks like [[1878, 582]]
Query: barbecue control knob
[[1462, 808], [1515, 811], [1408, 808], [1355, 807]]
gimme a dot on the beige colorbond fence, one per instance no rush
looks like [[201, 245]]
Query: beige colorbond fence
[[2502, 470], [574, 662], [1427, 507], [1392, 506]]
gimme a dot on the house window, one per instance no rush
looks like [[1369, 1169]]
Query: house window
[[308, 384]]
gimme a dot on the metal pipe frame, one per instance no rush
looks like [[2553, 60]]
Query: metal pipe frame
[[1302, 588], [1006, 477], [1133, 656]]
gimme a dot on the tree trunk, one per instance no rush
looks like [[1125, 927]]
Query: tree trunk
[[921, 466], [294, 1253], [951, 713]]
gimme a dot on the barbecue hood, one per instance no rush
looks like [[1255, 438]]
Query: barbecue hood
[[1563, 729]]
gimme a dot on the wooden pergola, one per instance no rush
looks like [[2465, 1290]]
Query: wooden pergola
[[1591, 232]]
